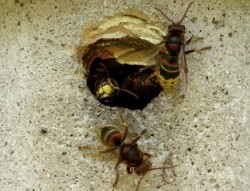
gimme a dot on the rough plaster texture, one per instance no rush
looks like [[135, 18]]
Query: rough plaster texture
[[46, 113]]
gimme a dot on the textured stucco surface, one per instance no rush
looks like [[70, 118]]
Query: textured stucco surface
[[46, 112]]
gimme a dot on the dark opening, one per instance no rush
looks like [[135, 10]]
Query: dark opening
[[129, 78]]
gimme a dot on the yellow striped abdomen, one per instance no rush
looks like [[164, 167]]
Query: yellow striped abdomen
[[109, 135], [168, 75]]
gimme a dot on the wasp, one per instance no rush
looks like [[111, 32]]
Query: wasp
[[172, 72], [99, 65], [107, 89], [129, 152], [142, 84]]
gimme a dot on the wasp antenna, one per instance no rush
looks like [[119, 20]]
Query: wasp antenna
[[127, 91], [105, 68], [185, 12], [164, 167], [165, 15]]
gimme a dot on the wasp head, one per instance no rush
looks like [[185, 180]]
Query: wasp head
[[143, 168], [176, 28], [107, 89]]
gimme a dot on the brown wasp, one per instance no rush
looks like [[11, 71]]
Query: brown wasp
[[172, 72], [129, 153], [142, 84]]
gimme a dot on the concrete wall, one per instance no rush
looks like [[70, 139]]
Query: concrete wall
[[46, 113]]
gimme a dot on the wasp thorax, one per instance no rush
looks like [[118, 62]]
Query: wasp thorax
[[110, 136], [174, 39], [173, 43], [131, 154]]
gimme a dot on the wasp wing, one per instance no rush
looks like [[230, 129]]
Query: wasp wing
[[141, 56], [183, 72]]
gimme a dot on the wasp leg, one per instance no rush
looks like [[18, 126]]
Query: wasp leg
[[139, 136], [199, 50], [97, 151], [189, 40], [108, 150], [83, 147], [148, 155], [139, 182], [117, 178], [150, 77], [145, 68], [124, 124], [121, 111], [189, 51], [125, 133], [129, 170], [86, 147], [119, 161], [194, 50], [192, 38]]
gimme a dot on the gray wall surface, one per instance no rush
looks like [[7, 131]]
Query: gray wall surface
[[46, 112]]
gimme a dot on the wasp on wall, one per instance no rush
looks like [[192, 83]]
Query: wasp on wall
[[130, 154]]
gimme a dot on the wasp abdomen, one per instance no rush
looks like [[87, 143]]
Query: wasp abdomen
[[168, 75], [110, 136]]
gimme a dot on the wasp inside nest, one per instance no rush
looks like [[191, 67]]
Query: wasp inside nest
[[115, 84], [124, 83]]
